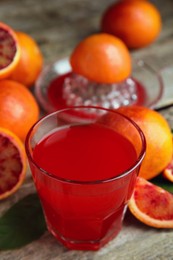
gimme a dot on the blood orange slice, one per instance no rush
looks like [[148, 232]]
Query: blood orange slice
[[152, 205], [12, 163], [168, 171], [9, 50]]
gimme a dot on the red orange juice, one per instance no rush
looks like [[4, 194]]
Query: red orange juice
[[84, 172]]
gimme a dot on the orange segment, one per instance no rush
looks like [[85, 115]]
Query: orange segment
[[101, 58], [152, 205], [9, 50], [12, 163]]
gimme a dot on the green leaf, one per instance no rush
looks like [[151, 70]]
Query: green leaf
[[22, 223], [163, 183]]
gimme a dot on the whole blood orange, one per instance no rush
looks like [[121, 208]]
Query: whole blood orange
[[18, 108], [101, 58], [13, 163], [9, 50], [158, 139], [151, 204], [31, 60], [137, 23]]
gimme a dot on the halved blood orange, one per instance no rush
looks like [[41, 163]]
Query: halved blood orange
[[12, 163], [9, 50], [168, 171], [151, 204]]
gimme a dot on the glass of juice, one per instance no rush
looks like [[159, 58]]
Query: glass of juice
[[84, 162]]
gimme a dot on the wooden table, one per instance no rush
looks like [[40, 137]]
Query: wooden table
[[58, 26]]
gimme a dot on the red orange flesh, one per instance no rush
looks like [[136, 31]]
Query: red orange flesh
[[12, 163], [9, 50], [152, 205]]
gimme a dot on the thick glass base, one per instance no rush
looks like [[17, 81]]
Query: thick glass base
[[85, 233], [84, 245]]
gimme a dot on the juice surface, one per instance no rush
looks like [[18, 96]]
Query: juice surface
[[85, 152]]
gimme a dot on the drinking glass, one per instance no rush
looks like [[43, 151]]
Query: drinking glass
[[84, 187]]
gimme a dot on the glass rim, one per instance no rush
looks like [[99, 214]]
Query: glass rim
[[138, 161]]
